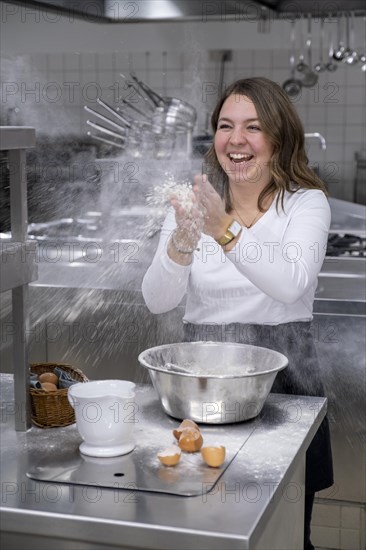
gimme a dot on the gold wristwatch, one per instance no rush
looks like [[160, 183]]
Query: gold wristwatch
[[231, 233]]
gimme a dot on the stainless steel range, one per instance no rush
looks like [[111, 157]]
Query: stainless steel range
[[346, 245]]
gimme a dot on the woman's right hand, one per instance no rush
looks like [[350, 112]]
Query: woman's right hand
[[189, 221], [185, 237]]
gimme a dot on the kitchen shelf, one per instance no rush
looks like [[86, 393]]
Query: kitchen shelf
[[17, 137], [18, 265]]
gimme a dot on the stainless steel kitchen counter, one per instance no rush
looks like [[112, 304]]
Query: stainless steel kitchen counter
[[257, 503]]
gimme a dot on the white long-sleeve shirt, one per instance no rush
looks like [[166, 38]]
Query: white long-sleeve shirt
[[269, 277]]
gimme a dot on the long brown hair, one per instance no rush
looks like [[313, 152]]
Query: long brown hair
[[283, 127]]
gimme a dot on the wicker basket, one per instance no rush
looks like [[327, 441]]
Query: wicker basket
[[51, 409]]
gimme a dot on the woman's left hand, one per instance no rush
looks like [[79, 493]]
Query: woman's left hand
[[216, 220]]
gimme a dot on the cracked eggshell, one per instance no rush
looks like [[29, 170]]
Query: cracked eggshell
[[185, 424], [213, 456], [190, 440], [170, 456]]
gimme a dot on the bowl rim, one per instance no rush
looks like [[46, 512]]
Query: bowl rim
[[144, 364]]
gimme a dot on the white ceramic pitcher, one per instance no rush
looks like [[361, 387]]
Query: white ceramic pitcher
[[105, 416]]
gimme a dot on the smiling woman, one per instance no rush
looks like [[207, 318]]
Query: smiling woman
[[244, 252], [243, 150], [277, 122]]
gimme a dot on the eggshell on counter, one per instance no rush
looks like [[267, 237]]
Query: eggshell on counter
[[170, 456], [185, 424], [190, 440], [213, 456]]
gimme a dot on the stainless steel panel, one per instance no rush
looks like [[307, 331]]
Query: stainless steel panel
[[17, 264], [141, 470], [20, 270], [16, 137]]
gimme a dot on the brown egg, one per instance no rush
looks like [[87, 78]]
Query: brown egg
[[48, 377], [47, 386], [185, 424], [170, 456], [213, 456], [190, 440]]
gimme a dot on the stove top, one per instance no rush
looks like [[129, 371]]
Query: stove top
[[346, 244]]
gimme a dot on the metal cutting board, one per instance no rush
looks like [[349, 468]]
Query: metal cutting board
[[141, 470]]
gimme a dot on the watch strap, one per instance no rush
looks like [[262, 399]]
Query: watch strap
[[232, 231]]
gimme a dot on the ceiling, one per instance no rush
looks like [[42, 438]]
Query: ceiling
[[124, 11]]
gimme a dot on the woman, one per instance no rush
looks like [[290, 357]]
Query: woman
[[248, 250]]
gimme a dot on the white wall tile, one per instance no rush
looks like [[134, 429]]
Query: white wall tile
[[156, 61], [108, 79], [155, 80], [138, 62], [174, 79], [363, 528], [72, 61], [262, 59], [326, 515], [105, 61], [356, 95], [326, 537], [88, 78], [121, 60], [355, 114], [351, 517], [281, 59], [244, 59], [56, 61], [317, 116], [355, 133], [88, 61], [40, 61], [338, 77], [173, 60], [350, 539]]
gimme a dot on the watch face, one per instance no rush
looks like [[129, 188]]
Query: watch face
[[234, 228]]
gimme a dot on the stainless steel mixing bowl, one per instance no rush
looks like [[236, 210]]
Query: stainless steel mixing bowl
[[214, 383]]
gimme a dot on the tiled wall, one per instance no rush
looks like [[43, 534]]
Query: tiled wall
[[51, 89], [339, 526]]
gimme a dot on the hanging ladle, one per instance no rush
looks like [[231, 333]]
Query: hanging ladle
[[309, 78], [339, 52], [301, 66], [351, 56], [292, 86], [363, 56], [331, 66], [321, 66]]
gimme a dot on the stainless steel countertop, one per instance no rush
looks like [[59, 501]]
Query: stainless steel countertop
[[232, 516]]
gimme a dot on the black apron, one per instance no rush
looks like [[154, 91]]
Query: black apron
[[301, 377]]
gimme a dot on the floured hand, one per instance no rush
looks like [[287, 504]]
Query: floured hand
[[215, 218]]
